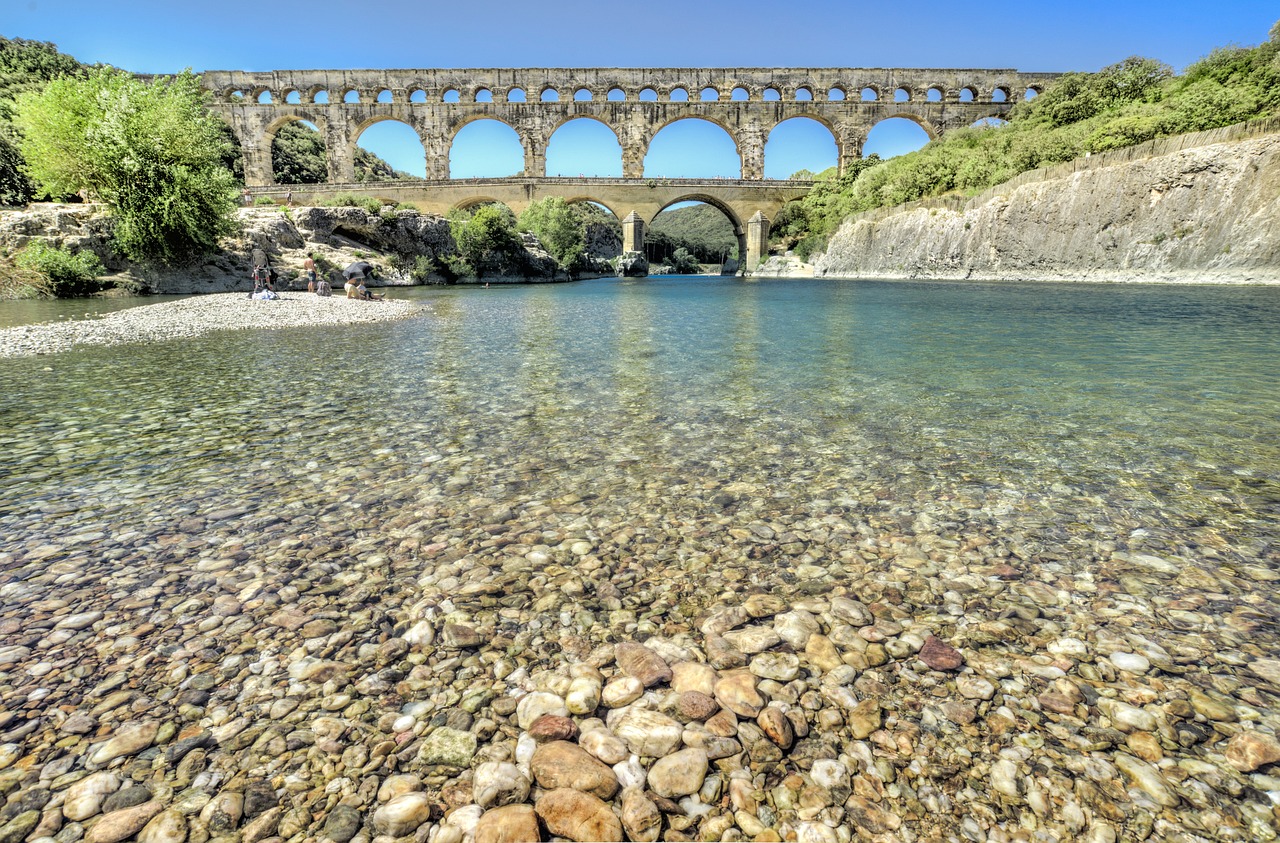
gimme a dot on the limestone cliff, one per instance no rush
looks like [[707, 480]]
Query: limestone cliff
[[1196, 208]]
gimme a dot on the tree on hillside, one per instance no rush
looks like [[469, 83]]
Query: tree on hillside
[[25, 66], [298, 155], [553, 221], [485, 239], [151, 152]]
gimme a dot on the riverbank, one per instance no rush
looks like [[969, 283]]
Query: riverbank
[[1189, 209], [196, 316]]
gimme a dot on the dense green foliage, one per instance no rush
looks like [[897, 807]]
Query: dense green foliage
[[559, 227], [1127, 103], [59, 273], [486, 240], [25, 67], [701, 230], [151, 152], [683, 263], [298, 157]]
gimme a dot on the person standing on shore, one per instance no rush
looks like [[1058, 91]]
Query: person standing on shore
[[310, 266]]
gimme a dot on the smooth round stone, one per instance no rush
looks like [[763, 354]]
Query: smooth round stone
[[537, 703], [398, 785], [563, 764], [1071, 648], [795, 627], [84, 798], [1131, 662], [403, 814], [168, 826], [578, 816], [782, 667], [604, 745], [736, 691], [621, 691], [753, 639], [498, 783], [975, 687], [645, 732], [693, 676], [679, 774], [508, 824]]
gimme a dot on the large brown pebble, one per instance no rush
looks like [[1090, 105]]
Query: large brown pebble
[[509, 824], [123, 824], [561, 764], [1248, 751], [939, 655], [553, 727], [696, 705], [578, 816], [644, 664]]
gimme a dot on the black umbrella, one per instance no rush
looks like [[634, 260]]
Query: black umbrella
[[358, 269]]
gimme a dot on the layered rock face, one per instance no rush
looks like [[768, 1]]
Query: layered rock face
[[338, 236], [1165, 211]]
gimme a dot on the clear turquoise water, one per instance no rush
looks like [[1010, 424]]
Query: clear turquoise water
[[1128, 416]]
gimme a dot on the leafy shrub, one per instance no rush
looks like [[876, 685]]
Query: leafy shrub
[[264, 200], [61, 273], [351, 200]]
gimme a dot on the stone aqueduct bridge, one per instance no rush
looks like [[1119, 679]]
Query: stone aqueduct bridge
[[634, 103]]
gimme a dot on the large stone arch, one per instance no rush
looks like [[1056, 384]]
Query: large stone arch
[[564, 120], [718, 123], [529, 144], [361, 127], [739, 225], [831, 130], [264, 145]]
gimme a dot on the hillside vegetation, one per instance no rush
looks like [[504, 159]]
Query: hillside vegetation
[[701, 230], [1127, 103]]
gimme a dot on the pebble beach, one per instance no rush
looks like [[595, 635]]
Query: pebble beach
[[548, 629], [196, 316]]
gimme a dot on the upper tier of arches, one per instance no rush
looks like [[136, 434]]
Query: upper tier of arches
[[532, 85]]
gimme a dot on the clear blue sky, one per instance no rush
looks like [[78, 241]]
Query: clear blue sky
[[163, 37]]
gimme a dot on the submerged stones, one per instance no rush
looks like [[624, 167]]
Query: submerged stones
[[499, 622]]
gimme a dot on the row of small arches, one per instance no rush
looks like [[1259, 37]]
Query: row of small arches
[[868, 93]]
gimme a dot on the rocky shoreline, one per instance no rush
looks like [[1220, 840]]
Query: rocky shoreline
[[199, 315]]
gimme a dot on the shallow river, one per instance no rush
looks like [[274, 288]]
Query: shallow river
[[1077, 486], [1142, 415]]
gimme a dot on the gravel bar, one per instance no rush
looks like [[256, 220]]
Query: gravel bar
[[195, 316]]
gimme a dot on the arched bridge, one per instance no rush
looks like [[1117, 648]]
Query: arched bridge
[[747, 103], [749, 204]]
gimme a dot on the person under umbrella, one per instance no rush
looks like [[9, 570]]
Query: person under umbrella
[[354, 274]]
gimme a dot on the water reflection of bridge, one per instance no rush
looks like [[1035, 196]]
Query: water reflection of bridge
[[748, 203]]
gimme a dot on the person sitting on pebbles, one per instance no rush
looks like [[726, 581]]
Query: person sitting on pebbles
[[362, 292]]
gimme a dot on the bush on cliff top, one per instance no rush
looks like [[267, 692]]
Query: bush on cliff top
[[49, 271]]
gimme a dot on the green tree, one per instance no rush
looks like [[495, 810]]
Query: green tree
[[151, 152], [560, 230], [25, 66], [298, 155], [486, 239], [683, 263]]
